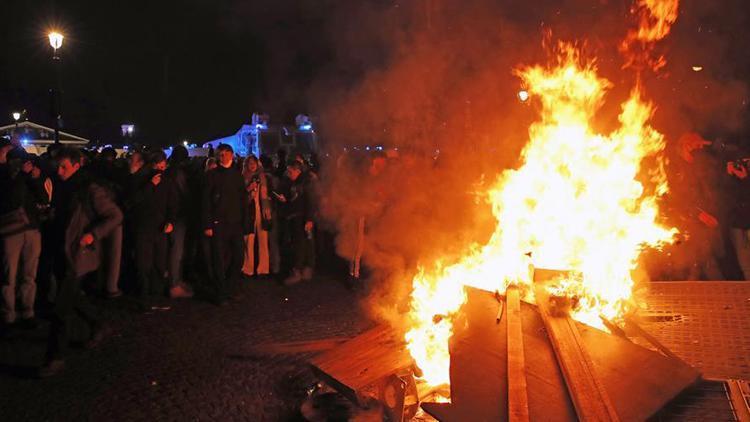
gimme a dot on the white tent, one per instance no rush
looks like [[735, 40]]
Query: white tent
[[36, 138]]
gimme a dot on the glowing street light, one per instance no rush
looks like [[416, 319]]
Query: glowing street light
[[55, 40], [16, 116]]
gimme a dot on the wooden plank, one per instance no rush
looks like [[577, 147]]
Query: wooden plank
[[632, 327], [518, 402], [591, 401], [739, 393], [293, 347], [363, 360]]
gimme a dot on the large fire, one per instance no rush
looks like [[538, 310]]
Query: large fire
[[578, 202]]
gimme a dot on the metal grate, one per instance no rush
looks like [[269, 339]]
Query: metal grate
[[707, 401], [706, 323]]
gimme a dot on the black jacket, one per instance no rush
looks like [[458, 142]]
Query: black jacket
[[223, 200], [299, 199], [152, 205], [21, 190]]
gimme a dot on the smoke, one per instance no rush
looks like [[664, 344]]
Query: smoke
[[432, 82]]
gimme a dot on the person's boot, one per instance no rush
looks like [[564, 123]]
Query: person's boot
[[307, 273], [50, 368], [294, 278]]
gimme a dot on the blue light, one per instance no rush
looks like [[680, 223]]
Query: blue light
[[306, 126], [262, 126], [25, 141]]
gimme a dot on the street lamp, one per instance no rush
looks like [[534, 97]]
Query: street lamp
[[56, 41], [16, 115]]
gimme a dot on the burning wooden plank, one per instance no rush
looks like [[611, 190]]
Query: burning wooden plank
[[518, 402], [591, 401]]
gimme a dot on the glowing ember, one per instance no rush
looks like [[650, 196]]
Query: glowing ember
[[523, 95], [576, 203]]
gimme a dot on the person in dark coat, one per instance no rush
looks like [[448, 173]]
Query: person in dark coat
[[298, 212], [152, 211], [85, 213], [224, 211], [182, 201]]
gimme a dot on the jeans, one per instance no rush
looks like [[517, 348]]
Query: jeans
[[22, 248], [111, 260], [150, 262], [176, 252], [227, 256]]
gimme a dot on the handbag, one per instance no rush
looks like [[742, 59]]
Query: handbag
[[14, 221]]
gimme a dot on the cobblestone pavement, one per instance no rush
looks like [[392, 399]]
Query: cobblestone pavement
[[193, 361]]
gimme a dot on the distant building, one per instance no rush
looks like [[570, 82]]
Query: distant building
[[35, 138]]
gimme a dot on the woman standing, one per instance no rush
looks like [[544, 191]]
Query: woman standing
[[260, 217]]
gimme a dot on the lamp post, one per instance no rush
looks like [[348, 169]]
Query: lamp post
[[56, 41], [16, 116]]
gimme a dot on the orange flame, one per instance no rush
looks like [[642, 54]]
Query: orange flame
[[575, 203], [656, 18]]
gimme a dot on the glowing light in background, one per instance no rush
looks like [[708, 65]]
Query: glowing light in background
[[697, 68], [55, 39], [523, 95]]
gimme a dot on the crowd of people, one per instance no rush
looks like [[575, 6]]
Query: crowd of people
[[75, 219], [138, 224]]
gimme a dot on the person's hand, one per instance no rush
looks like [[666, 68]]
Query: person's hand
[[156, 179], [36, 172], [168, 228], [27, 167], [267, 213], [48, 188], [209, 232], [308, 226], [739, 171], [86, 240]]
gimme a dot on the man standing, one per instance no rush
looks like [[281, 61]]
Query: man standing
[[85, 214], [225, 221], [298, 211], [19, 232], [153, 215]]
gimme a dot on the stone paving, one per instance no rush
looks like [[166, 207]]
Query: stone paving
[[193, 361]]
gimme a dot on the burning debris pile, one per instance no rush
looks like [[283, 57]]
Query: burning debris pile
[[578, 202]]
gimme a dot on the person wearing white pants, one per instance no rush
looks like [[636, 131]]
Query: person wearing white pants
[[257, 195]]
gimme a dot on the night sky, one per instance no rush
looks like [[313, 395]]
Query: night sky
[[197, 69], [177, 69]]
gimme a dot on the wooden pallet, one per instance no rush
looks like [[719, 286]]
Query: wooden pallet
[[362, 361], [637, 381]]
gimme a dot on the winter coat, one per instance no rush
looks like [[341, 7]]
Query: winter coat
[[91, 209], [223, 202]]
